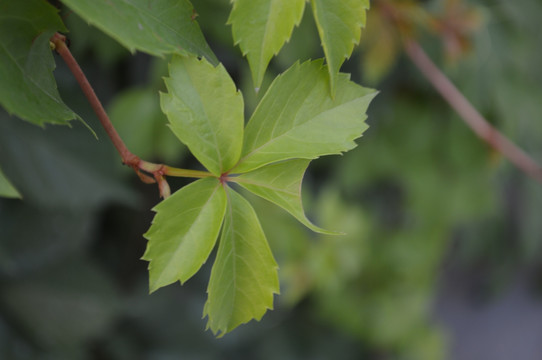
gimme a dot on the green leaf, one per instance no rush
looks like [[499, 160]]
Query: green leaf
[[339, 24], [6, 189], [27, 87], [184, 232], [244, 276], [261, 27], [297, 118], [155, 27], [61, 167], [280, 183], [205, 112]]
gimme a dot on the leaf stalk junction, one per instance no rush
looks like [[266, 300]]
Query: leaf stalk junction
[[148, 172]]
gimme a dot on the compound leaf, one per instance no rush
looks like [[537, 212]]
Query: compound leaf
[[157, 27], [184, 231], [244, 276], [6, 189], [27, 86], [297, 118], [205, 112], [339, 24], [280, 183], [261, 27]]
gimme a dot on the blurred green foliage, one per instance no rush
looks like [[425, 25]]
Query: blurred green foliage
[[419, 192]]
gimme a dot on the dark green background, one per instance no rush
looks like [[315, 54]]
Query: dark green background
[[442, 254]]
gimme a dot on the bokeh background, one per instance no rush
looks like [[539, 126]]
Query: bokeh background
[[442, 257]]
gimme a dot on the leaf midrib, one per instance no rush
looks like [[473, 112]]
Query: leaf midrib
[[264, 185]]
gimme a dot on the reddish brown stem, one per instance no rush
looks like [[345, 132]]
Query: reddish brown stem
[[61, 48], [469, 114]]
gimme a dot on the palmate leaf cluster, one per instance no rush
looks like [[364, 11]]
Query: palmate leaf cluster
[[309, 111], [296, 121]]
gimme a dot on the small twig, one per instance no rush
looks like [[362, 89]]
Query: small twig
[[61, 48], [141, 167], [470, 115]]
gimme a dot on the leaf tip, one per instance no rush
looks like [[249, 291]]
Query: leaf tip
[[153, 287]]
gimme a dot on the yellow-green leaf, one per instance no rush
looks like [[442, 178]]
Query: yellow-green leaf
[[297, 118], [339, 24], [261, 27], [280, 183], [244, 276], [184, 231], [205, 111]]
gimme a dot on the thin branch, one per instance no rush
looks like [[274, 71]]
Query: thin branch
[[469, 114], [141, 167], [61, 48]]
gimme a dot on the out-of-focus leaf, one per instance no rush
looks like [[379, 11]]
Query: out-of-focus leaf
[[297, 118], [85, 38], [381, 45], [456, 25], [73, 295], [6, 188], [281, 184], [381, 41], [140, 122], [60, 167], [303, 45], [212, 16], [205, 112], [339, 24], [27, 87], [156, 27], [244, 276], [184, 232], [349, 252], [261, 27], [32, 238]]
